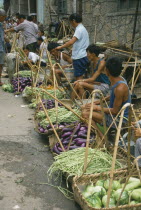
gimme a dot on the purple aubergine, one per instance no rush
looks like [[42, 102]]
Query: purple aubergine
[[67, 129], [83, 145], [56, 150], [60, 149], [73, 147], [81, 141], [77, 127], [81, 134], [83, 128], [66, 138], [41, 130], [66, 134]]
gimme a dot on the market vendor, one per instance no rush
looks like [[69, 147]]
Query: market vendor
[[119, 95], [99, 79], [80, 42], [33, 58], [137, 135], [61, 57]]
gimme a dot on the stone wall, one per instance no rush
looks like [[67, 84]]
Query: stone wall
[[105, 23]]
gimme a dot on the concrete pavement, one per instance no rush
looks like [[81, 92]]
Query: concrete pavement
[[24, 161]]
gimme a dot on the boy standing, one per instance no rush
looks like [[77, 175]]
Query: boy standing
[[80, 42]]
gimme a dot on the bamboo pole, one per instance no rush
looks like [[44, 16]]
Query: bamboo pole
[[123, 51], [104, 121], [46, 112], [69, 83], [69, 108], [137, 76], [132, 85], [130, 173], [89, 129], [123, 71], [129, 138], [115, 153]]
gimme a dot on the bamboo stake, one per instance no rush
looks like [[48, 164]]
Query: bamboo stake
[[56, 103], [69, 83], [129, 138], [69, 108], [89, 129], [115, 153], [123, 71], [104, 121], [130, 173], [46, 112], [137, 77], [132, 86], [14, 42], [130, 53], [74, 131]]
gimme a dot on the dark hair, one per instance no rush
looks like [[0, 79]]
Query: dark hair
[[26, 48], [76, 17], [92, 48], [114, 65], [21, 16], [30, 18], [40, 39], [52, 45]]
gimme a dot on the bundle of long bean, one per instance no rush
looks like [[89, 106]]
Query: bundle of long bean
[[72, 162]]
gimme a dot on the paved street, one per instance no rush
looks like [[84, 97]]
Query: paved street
[[24, 161]]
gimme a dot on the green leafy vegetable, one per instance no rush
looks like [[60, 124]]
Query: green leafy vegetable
[[94, 201], [115, 185], [136, 195], [8, 87], [124, 197], [111, 203]]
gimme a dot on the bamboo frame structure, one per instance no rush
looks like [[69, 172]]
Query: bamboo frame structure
[[115, 153], [56, 134]]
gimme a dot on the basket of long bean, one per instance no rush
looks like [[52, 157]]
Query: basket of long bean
[[91, 191], [72, 162]]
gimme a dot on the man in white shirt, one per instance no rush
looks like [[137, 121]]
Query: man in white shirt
[[80, 42], [29, 31], [33, 58]]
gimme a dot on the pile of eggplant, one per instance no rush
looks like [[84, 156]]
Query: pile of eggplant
[[48, 127], [49, 104], [23, 82], [78, 135]]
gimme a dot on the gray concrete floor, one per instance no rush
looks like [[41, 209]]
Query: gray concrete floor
[[24, 161]]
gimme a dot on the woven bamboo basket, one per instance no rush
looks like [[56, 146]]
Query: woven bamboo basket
[[80, 182]]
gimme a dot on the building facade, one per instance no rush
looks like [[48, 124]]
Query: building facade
[[108, 20]]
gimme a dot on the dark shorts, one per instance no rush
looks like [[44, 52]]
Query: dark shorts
[[32, 47], [80, 66], [2, 55]]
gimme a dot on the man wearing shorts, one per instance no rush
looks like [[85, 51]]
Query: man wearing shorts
[[119, 95], [80, 42], [2, 48], [98, 80]]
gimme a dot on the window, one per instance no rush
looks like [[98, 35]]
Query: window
[[128, 4], [62, 6]]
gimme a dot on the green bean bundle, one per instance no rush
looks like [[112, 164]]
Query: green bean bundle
[[72, 162]]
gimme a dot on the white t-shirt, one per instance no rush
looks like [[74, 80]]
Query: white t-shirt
[[34, 57], [43, 47], [80, 46]]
